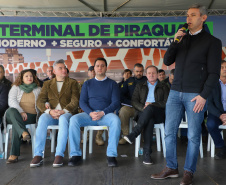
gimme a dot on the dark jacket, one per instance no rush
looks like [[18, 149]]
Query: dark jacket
[[167, 82], [127, 88], [215, 106], [140, 94], [120, 83], [6, 82], [197, 63], [46, 79], [3, 98]]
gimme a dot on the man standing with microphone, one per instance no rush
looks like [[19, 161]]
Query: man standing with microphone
[[197, 57]]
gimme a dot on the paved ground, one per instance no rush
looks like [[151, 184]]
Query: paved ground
[[94, 170]]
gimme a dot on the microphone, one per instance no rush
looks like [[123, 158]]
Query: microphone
[[184, 27]]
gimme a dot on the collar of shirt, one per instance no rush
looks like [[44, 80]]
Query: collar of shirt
[[221, 82], [196, 33], [101, 80], [149, 84]]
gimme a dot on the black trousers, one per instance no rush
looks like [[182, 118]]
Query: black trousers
[[146, 119]]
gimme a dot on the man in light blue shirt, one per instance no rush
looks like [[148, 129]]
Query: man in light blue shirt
[[149, 100], [217, 113]]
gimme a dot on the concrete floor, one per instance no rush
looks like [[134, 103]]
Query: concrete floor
[[94, 170]]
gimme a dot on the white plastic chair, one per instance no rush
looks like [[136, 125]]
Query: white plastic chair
[[131, 124], [90, 129], [32, 129], [158, 128], [1, 142], [210, 144], [184, 124]]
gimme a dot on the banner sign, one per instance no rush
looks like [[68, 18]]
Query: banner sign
[[89, 35]]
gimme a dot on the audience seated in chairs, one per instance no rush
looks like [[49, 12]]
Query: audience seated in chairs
[[22, 109], [99, 99], [149, 100], [217, 113], [62, 94]]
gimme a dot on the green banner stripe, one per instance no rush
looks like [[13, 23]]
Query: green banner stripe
[[91, 30]]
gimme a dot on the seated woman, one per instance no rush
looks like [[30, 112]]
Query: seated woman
[[149, 100], [23, 109]]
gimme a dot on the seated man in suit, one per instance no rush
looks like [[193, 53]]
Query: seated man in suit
[[99, 99], [217, 112], [62, 93], [149, 100]]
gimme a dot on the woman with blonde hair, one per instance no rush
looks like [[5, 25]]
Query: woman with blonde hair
[[22, 109]]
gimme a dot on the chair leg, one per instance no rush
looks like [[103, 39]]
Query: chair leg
[[84, 142], [33, 139], [212, 148], [163, 140], [69, 149], [137, 145], [53, 135], [90, 141], [208, 143], [6, 142], [201, 147], [1, 142], [104, 135], [158, 139], [130, 125]]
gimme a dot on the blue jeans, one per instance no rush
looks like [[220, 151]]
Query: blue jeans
[[177, 103], [83, 119], [213, 124], [44, 121]]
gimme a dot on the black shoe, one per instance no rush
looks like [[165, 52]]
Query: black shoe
[[112, 161], [130, 138], [147, 158], [221, 154], [75, 161]]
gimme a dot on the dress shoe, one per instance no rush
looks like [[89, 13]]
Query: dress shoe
[[166, 173], [147, 158], [12, 159], [58, 162], [221, 154], [26, 136], [122, 141], [75, 161], [112, 161], [36, 161], [187, 178]]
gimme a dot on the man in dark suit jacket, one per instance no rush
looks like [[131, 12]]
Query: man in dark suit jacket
[[217, 112]]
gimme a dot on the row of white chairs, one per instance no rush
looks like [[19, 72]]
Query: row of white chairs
[[159, 129]]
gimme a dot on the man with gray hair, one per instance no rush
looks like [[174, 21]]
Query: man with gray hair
[[197, 57], [62, 94]]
